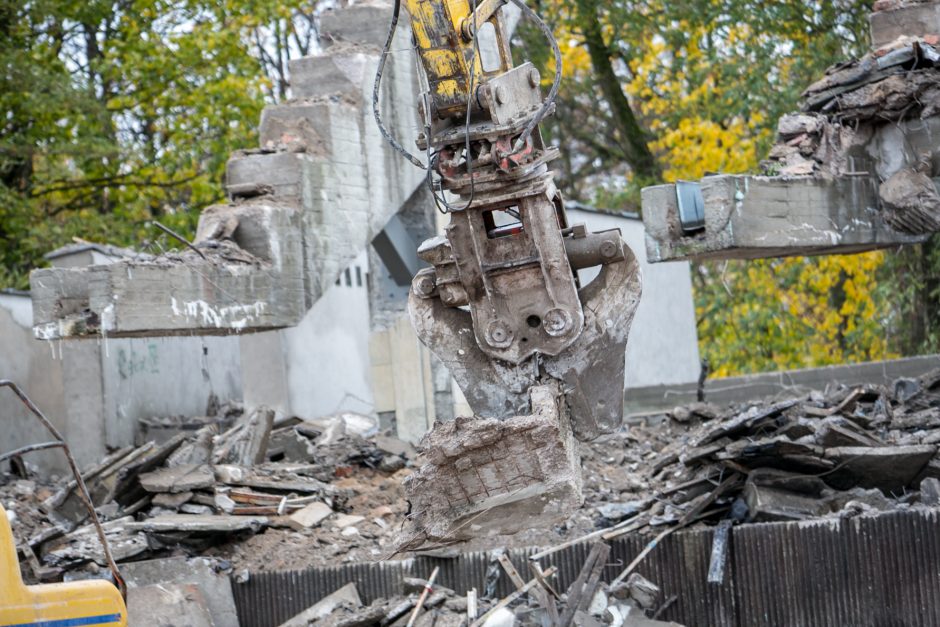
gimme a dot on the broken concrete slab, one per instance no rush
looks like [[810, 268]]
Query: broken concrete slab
[[496, 476], [890, 468], [216, 588], [750, 217], [768, 505], [807, 485], [83, 545], [835, 432], [171, 501], [199, 523], [246, 444], [272, 476], [196, 451], [347, 595], [930, 491], [177, 479], [179, 605], [347, 520]]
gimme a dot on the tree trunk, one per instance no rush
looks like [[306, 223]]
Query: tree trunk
[[634, 138]]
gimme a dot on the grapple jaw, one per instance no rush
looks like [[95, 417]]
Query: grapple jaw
[[590, 371], [514, 465]]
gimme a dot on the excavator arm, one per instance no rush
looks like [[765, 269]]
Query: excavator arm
[[501, 303], [538, 355]]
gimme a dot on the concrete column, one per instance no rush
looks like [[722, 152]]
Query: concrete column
[[86, 428]]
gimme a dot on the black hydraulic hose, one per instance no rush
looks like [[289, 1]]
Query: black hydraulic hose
[[396, 12], [556, 84]]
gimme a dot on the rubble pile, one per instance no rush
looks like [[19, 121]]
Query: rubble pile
[[266, 494], [842, 454], [841, 111], [196, 490]]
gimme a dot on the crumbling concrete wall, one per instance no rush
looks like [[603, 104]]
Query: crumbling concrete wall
[[320, 187], [302, 207], [858, 168]]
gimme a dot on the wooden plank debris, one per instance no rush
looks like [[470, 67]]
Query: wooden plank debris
[[199, 524]]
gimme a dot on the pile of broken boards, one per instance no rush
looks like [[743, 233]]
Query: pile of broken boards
[[845, 115], [588, 602], [850, 452], [209, 486]]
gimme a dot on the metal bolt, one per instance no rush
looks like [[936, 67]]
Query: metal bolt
[[556, 322], [424, 286], [498, 335], [608, 249], [501, 95], [534, 78]]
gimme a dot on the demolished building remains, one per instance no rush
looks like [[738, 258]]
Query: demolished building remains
[[682, 511]]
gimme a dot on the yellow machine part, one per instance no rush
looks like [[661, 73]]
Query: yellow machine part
[[445, 54], [52, 605]]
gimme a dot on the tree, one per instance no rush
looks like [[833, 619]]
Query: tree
[[702, 84], [125, 111]]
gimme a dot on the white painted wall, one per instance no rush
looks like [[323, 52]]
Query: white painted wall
[[328, 367], [31, 365], [168, 376], [322, 366], [95, 391], [663, 344]]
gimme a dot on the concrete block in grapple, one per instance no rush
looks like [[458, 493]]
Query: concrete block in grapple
[[486, 476]]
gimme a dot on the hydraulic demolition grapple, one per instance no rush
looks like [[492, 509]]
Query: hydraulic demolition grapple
[[502, 304]]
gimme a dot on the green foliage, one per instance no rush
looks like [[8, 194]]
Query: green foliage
[[119, 113], [707, 80]]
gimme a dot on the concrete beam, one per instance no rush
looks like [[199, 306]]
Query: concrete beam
[[262, 288], [304, 206], [913, 20], [750, 217]]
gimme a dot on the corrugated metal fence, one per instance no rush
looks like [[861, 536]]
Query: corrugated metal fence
[[881, 571]]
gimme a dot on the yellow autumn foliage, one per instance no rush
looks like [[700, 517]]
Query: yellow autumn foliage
[[708, 91]]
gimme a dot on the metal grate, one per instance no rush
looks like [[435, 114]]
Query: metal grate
[[872, 571]]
